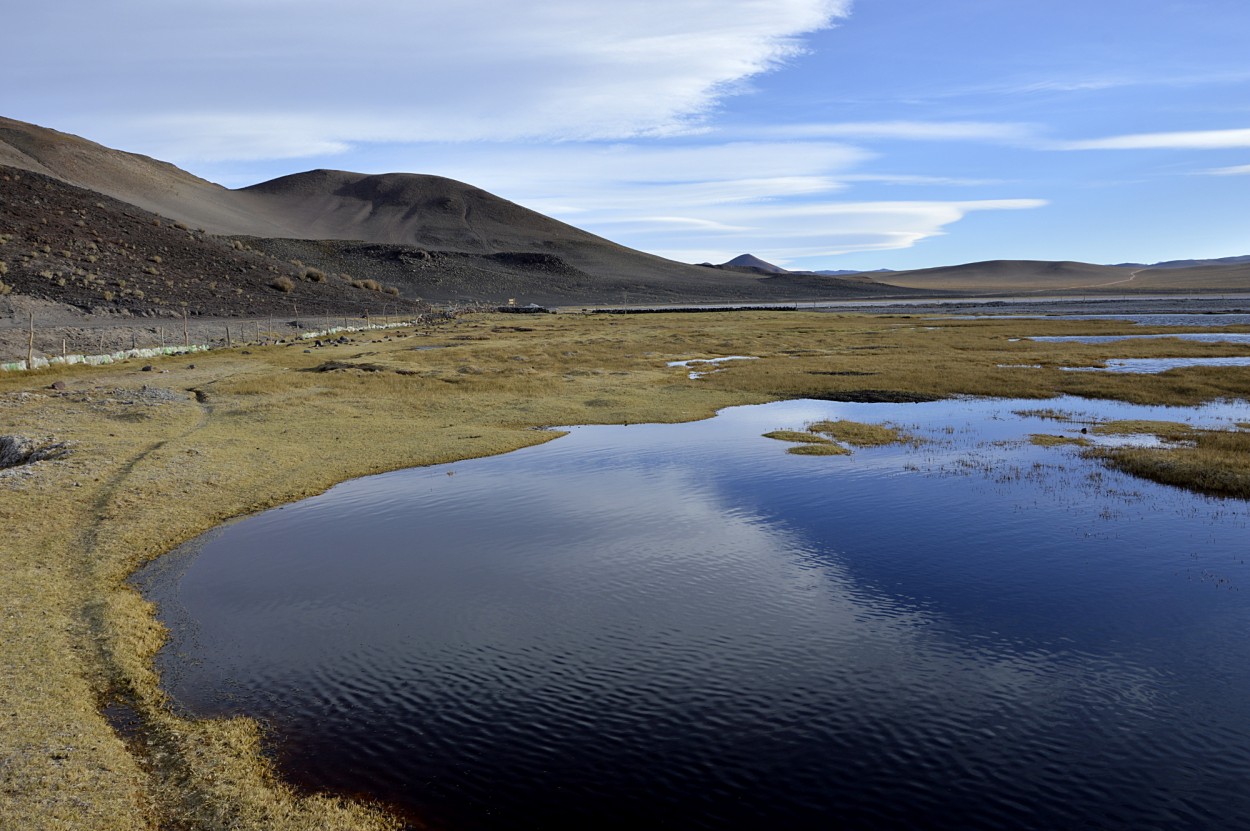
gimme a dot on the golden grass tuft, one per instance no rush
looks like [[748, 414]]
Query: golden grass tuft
[[1214, 462], [858, 434], [1171, 430], [797, 436], [1047, 440], [819, 449]]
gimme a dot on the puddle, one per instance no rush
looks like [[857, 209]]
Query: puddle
[[1147, 366], [709, 361], [685, 626]]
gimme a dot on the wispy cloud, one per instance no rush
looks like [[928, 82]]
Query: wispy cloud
[[972, 131], [1103, 82], [1190, 140], [232, 79], [1235, 170]]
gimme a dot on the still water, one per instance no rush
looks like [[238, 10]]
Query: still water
[[1217, 337], [683, 626]]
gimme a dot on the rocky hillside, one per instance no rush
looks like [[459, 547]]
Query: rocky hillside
[[70, 245]]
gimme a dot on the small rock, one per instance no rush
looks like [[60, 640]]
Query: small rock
[[57, 385], [190, 366], [147, 368]]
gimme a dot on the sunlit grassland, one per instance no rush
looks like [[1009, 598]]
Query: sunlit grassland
[[283, 423]]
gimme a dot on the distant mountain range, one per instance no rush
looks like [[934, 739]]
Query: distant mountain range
[[425, 236], [1189, 263], [101, 228], [1006, 276]]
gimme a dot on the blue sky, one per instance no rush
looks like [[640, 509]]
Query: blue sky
[[812, 133]]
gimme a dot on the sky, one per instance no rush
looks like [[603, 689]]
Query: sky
[[815, 134]]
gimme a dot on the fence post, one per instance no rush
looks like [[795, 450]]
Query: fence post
[[186, 337], [30, 344]]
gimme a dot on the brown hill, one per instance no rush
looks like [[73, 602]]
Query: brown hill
[[432, 237], [1042, 276], [70, 245], [1012, 276], [752, 263]]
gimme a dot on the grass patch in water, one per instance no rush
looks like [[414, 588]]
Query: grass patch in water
[[1047, 440], [858, 434], [821, 449], [1045, 413], [797, 436], [1217, 463], [1166, 430]]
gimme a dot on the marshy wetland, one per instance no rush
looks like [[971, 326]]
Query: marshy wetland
[[1075, 624]]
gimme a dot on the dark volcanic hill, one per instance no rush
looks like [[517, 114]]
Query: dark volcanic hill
[[71, 245], [752, 262], [430, 237]]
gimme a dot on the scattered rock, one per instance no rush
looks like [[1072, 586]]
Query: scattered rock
[[147, 368], [17, 450], [57, 385]]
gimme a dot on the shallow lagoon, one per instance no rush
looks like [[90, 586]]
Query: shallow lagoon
[[684, 625]]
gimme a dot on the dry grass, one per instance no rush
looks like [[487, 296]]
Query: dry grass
[[1170, 430], [1047, 440], [820, 439], [148, 474], [1214, 462], [819, 449], [796, 436], [858, 434]]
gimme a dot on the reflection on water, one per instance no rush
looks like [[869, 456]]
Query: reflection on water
[[684, 626]]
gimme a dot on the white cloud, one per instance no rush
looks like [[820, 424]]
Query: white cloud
[[912, 131], [697, 202], [1236, 170], [1191, 140], [189, 78], [824, 229]]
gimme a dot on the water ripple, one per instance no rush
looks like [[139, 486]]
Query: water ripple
[[696, 631]]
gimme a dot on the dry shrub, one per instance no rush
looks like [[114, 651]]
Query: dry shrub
[[283, 283], [315, 275], [371, 285]]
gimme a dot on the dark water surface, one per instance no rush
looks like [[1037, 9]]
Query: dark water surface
[[683, 626]]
